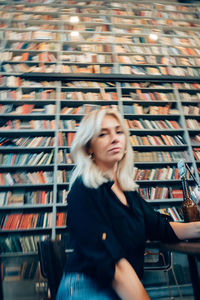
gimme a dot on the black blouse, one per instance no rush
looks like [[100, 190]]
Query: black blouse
[[103, 230]]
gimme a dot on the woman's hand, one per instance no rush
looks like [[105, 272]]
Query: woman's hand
[[186, 230], [126, 282]]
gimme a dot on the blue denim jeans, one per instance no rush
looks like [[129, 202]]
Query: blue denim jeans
[[77, 286]]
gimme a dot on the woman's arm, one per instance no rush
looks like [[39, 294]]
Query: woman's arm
[[126, 282], [186, 230]]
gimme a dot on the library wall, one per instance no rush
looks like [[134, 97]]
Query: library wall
[[62, 59]]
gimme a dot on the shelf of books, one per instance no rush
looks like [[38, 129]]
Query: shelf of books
[[61, 59]]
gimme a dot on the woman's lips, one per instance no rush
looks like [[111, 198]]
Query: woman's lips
[[115, 149]]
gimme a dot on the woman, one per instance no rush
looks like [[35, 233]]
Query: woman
[[108, 221]]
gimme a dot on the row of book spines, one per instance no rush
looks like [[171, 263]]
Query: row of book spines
[[196, 138], [47, 93], [128, 109], [39, 177], [28, 159], [85, 108], [191, 110], [192, 124], [179, 11], [96, 58], [139, 8], [95, 28], [56, 46], [196, 153], [29, 142], [41, 94], [32, 35], [80, 110], [32, 124], [159, 60], [16, 221], [139, 85], [123, 46], [135, 108], [13, 81], [79, 27], [35, 46], [63, 176], [152, 124], [24, 244], [99, 69], [152, 22], [137, 95], [27, 109], [81, 96], [167, 173], [174, 212], [66, 139], [64, 68], [152, 95], [159, 71], [153, 193], [47, 57], [157, 140], [160, 156], [149, 110], [147, 14], [22, 197], [147, 174], [26, 270], [58, 36], [64, 157], [130, 124]]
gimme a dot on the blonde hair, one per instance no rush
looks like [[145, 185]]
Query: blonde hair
[[86, 167]]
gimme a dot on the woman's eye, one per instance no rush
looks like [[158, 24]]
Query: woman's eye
[[120, 132], [102, 134]]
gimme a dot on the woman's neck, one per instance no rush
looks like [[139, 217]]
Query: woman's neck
[[109, 172]]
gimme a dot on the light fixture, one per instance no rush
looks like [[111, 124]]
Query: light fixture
[[74, 19], [153, 36], [74, 33]]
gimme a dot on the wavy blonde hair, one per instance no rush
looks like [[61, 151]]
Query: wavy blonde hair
[[92, 176]]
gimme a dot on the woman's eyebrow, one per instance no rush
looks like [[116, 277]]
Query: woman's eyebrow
[[107, 128]]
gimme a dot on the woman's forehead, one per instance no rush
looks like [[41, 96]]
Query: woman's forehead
[[110, 121]]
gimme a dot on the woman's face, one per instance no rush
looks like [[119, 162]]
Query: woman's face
[[109, 146]]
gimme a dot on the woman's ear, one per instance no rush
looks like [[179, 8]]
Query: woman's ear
[[90, 150]]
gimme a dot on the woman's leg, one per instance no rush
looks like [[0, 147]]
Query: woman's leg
[[80, 287]]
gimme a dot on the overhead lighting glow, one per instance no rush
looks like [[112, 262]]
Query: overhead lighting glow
[[153, 36], [74, 33], [74, 19]]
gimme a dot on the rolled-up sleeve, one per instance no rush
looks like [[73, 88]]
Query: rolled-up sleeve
[[91, 233], [157, 224]]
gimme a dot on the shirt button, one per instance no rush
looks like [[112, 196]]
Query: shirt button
[[104, 236]]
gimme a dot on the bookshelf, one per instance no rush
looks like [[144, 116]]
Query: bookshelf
[[60, 59]]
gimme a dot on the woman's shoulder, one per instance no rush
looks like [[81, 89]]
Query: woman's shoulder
[[79, 188]]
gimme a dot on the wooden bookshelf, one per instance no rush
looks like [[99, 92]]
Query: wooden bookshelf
[[58, 60]]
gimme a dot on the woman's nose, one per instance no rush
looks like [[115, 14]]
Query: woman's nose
[[114, 137]]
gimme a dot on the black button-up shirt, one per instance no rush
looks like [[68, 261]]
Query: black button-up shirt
[[103, 230]]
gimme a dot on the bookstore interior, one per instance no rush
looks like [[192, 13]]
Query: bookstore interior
[[61, 59]]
